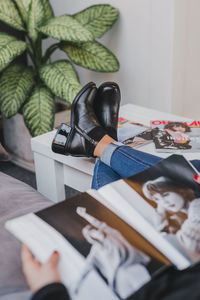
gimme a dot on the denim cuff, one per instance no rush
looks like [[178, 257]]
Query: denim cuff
[[108, 152]]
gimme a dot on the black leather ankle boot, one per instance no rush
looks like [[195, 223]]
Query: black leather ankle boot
[[106, 107], [85, 130]]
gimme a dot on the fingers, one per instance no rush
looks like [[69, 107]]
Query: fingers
[[54, 259], [27, 257], [26, 254], [197, 178]]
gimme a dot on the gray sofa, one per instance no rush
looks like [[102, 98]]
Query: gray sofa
[[16, 198]]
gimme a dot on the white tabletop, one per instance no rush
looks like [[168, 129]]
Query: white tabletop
[[53, 170], [135, 113]]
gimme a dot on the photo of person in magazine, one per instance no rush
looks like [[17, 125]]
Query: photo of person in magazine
[[172, 203], [113, 257], [132, 133], [140, 139], [111, 248], [172, 136], [176, 204], [177, 211]]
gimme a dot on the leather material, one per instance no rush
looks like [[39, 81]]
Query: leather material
[[83, 118], [106, 107], [60, 139], [90, 109], [82, 112]]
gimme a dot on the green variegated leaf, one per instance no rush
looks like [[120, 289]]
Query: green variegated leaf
[[91, 55], [66, 28], [62, 79], [98, 18], [9, 14], [15, 85], [10, 48], [48, 13], [38, 112], [36, 16], [23, 6], [48, 10]]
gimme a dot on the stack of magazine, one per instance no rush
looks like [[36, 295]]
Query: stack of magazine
[[173, 136], [133, 134], [115, 239]]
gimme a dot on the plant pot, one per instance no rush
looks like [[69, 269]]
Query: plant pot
[[17, 141], [17, 138]]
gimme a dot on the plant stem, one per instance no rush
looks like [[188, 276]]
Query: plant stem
[[31, 54], [31, 42], [49, 52], [34, 51], [38, 49]]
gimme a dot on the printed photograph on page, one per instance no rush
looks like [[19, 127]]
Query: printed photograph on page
[[169, 188], [133, 134], [118, 253], [170, 136]]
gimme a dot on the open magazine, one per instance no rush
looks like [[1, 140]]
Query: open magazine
[[133, 134], [172, 136], [115, 239]]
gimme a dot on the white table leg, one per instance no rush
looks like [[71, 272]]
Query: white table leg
[[49, 177], [77, 179]]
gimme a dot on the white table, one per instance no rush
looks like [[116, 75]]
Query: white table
[[54, 171]]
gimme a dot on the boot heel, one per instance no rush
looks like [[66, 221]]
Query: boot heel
[[60, 139]]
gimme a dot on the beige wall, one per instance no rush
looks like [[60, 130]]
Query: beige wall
[[186, 58], [142, 41], [158, 45]]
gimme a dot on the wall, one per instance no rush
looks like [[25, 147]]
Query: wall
[[191, 60], [157, 43], [141, 39], [186, 59]]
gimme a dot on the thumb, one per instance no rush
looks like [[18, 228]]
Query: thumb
[[54, 259]]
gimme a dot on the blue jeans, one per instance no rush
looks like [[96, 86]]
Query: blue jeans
[[123, 162]]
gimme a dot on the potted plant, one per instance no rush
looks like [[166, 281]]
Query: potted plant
[[31, 90]]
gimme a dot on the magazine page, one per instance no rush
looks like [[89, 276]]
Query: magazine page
[[128, 204], [43, 239], [133, 134], [98, 249], [172, 136], [170, 201]]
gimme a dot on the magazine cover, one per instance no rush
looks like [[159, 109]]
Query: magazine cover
[[171, 136], [133, 134], [97, 248], [170, 190], [111, 248]]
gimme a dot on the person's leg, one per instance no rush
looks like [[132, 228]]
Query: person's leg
[[118, 161], [196, 164], [103, 175], [127, 161]]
